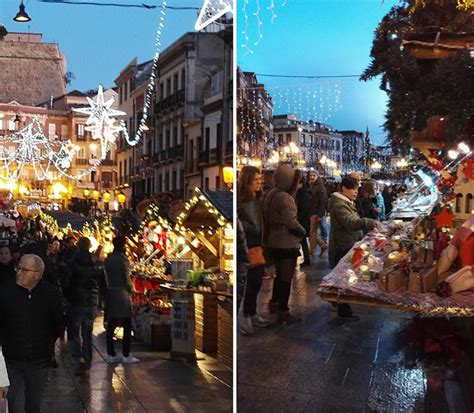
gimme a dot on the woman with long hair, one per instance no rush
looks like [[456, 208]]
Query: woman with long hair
[[284, 238], [250, 214]]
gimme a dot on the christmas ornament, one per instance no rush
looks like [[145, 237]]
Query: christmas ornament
[[211, 11], [468, 168], [444, 219], [102, 120]]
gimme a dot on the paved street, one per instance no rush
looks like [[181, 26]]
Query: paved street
[[327, 365], [156, 384]]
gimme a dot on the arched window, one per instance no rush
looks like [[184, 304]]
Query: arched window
[[459, 198], [468, 204]]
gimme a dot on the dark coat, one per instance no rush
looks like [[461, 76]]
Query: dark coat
[[346, 227], [84, 289], [30, 322], [319, 198], [118, 299], [283, 229], [368, 208], [242, 262], [303, 204], [250, 215], [7, 272]]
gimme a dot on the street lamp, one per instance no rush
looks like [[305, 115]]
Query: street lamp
[[86, 193], [228, 176], [376, 166], [22, 16], [106, 200], [121, 198]]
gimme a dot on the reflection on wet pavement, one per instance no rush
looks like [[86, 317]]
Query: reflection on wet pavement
[[325, 364], [156, 384]]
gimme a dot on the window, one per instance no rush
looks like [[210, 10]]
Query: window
[[206, 183], [168, 87], [174, 181], [162, 91], [167, 139], [125, 167], [107, 178], [468, 208], [207, 141], [51, 131], [80, 131], [125, 85], [160, 183], [120, 173], [120, 95], [175, 82], [280, 138], [183, 78], [167, 181], [64, 131], [218, 182], [303, 138], [218, 135], [175, 136], [459, 198]]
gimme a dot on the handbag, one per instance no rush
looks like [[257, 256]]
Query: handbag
[[256, 257]]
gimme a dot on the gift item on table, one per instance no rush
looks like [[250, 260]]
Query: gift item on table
[[447, 258], [391, 280], [357, 257], [424, 252], [422, 279], [461, 280], [394, 257]]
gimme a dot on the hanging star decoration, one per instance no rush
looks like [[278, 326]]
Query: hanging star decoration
[[211, 11], [444, 219], [101, 121]]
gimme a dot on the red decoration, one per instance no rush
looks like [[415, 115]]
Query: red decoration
[[444, 219], [357, 257], [466, 251], [468, 169]]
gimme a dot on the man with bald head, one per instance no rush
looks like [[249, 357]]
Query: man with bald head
[[31, 318]]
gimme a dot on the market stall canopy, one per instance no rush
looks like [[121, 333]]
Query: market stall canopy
[[209, 207]]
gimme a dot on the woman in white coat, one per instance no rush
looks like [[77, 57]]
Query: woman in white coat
[[4, 382]]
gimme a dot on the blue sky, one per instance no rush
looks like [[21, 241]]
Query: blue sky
[[100, 41], [319, 37]]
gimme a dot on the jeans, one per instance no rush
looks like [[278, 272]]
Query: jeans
[[82, 324], [252, 288], [27, 384], [323, 229], [112, 324], [314, 237]]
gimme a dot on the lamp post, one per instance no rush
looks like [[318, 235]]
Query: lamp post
[[106, 200], [228, 176], [121, 199]]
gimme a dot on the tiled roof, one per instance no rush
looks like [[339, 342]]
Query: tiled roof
[[222, 200], [30, 72]]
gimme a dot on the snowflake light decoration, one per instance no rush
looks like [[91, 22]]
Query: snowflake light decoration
[[211, 11], [30, 146], [101, 120]]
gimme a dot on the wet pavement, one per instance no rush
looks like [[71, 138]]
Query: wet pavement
[[324, 364], [156, 384]]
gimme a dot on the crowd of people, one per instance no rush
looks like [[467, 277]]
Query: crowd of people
[[277, 219], [51, 289]]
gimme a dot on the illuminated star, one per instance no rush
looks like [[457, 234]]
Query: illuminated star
[[211, 11], [100, 114]]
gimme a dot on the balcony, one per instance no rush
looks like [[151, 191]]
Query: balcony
[[109, 162], [229, 148], [203, 157], [173, 100], [214, 155], [82, 161]]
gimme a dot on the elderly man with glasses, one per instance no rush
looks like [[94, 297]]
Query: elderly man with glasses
[[31, 318]]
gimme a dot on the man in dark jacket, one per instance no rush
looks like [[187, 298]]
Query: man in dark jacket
[[319, 201], [31, 319], [83, 296], [303, 203]]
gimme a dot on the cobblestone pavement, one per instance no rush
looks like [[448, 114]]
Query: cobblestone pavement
[[156, 384], [324, 364]]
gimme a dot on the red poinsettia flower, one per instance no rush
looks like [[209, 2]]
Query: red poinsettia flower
[[468, 169]]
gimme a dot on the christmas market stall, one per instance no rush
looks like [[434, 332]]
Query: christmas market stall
[[202, 302]]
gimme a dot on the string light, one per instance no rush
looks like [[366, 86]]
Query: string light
[[256, 13]]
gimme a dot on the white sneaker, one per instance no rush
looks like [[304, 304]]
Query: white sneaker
[[129, 360], [259, 321], [246, 327], [113, 359]]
